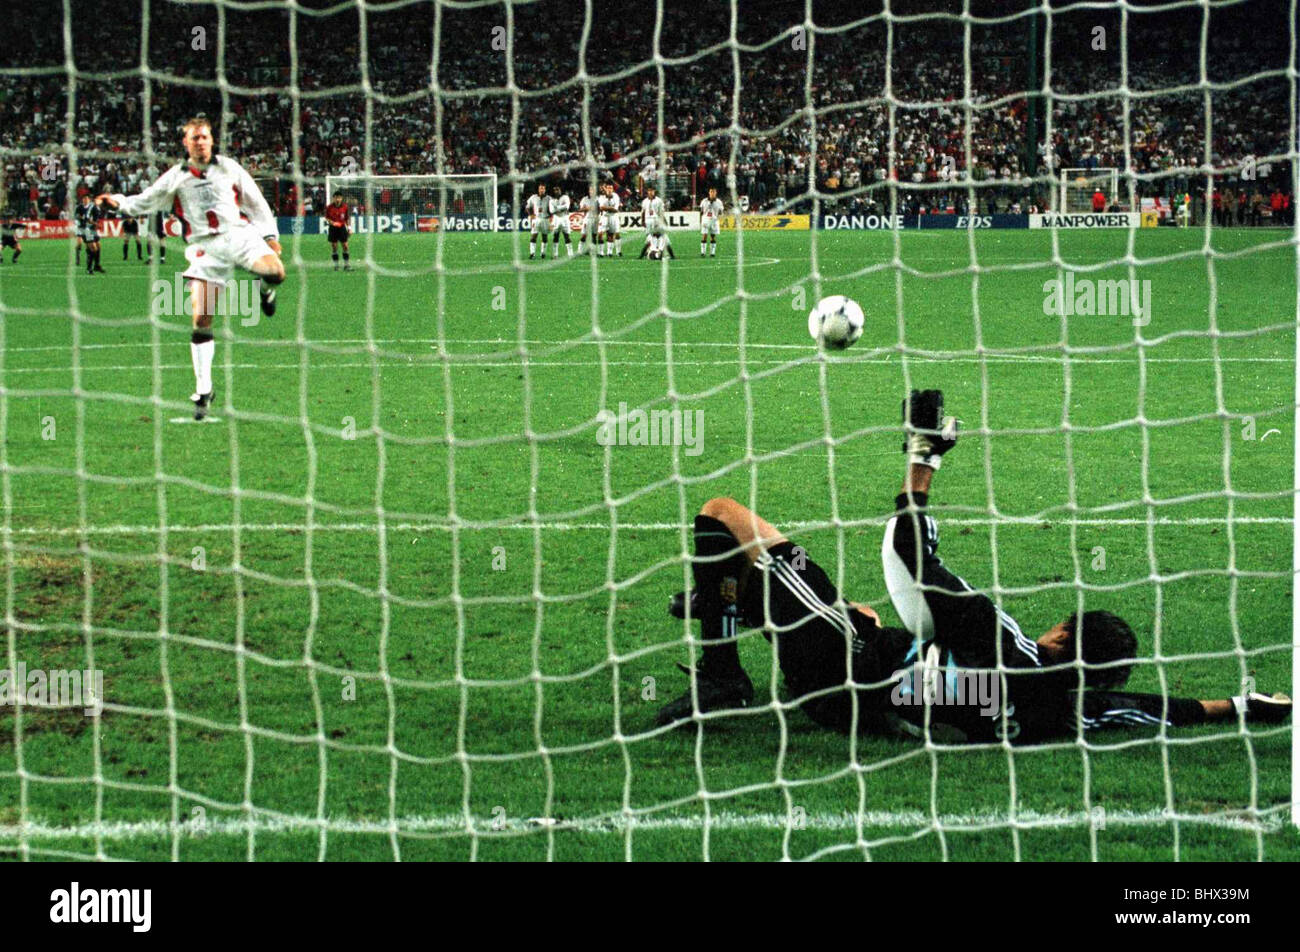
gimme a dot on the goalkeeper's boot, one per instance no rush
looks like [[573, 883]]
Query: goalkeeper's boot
[[720, 691], [1264, 708], [928, 434], [202, 401], [268, 300]]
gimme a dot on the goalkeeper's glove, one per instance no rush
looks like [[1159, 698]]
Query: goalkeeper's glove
[[928, 433], [1262, 708]]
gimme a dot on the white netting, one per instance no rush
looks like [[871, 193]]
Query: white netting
[[388, 425]]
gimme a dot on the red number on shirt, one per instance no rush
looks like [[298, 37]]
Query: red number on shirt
[[213, 223]]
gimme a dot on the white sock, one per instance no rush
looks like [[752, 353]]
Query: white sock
[[702, 244], [569, 249], [532, 247], [201, 356]]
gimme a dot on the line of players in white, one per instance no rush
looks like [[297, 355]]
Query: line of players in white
[[548, 216]]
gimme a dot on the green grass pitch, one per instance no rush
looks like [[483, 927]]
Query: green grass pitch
[[430, 599]]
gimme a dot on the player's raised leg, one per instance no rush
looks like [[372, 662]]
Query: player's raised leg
[[269, 269], [720, 563]]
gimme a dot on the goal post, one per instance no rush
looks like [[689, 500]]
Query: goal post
[[1295, 478], [423, 197], [1079, 185]]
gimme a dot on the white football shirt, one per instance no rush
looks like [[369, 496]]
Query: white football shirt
[[652, 209], [711, 209], [211, 201]]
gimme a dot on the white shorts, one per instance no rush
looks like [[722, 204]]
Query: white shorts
[[655, 228], [215, 259], [539, 225], [609, 223], [709, 227], [559, 223], [87, 234]]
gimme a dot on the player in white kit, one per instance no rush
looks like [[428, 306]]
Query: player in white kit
[[538, 209], [652, 217], [227, 224], [558, 209], [610, 205], [587, 205], [710, 209]]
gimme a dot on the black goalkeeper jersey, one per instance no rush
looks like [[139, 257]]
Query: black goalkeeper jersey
[[88, 216], [960, 638]]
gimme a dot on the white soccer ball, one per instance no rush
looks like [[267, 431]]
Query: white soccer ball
[[835, 322]]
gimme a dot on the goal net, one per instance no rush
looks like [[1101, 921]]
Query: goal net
[[403, 592], [1080, 186], [422, 202]]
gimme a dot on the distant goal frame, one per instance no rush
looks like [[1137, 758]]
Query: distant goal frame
[[363, 181]]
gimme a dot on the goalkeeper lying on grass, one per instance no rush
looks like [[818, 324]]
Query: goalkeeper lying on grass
[[960, 669]]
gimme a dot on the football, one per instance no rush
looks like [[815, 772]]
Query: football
[[835, 322]]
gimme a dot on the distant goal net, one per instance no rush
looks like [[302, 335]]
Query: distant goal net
[[1079, 186], [426, 200]]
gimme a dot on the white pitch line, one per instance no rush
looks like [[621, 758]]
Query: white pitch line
[[608, 341], [1032, 523], [719, 820], [467, 362], [388, 268]]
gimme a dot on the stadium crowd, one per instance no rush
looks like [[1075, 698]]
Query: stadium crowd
[[900, 112]]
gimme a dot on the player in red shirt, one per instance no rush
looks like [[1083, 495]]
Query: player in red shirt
[[336, 213], [1099, 201]]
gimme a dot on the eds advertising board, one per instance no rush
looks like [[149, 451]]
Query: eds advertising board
[[905, 222]]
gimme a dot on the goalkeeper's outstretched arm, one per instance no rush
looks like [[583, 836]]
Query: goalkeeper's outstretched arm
[[1102, 709]]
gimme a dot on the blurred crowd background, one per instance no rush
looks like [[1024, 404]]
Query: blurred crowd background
[[910, 112]]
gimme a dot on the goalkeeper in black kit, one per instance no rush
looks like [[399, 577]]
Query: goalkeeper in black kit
[[960, 670]]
